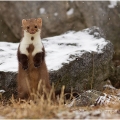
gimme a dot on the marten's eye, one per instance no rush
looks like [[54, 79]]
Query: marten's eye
[[28, 27], [35, 26]]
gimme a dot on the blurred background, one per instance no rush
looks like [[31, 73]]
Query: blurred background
[[61, 16]]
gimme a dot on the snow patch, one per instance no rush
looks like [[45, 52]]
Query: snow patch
[[70, 12], [8, 56], [59, 50], [109, 86], [42, 10], [71, 0], [2, 91], [55, 14], [112, 3], [107, 99]]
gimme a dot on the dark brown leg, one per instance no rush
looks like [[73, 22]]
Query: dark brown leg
[[37, 59], [24, 61]]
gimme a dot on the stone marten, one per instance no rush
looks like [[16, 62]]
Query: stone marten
[[31, 59]]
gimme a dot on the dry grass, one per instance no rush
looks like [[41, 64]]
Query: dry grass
[[39, 107], [43, 108], [30, 109]]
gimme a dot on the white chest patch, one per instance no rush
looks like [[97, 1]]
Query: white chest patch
[[26, 41]]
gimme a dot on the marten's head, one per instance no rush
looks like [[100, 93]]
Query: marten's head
[[32, 25]]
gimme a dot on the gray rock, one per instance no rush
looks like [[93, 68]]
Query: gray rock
[[88, 71], [8, 83], [108, 95], [80, 74], [87, 98]]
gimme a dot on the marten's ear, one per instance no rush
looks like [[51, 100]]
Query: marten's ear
[[39, 21], [23, 21]]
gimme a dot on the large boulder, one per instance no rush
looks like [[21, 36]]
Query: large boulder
[[87, 71], [71, 15], [60, 16], [79, 60]]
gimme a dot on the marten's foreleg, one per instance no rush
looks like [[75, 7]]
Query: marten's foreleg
[[38, 59], [23, 59]]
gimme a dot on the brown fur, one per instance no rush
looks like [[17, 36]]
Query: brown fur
[[32, 75], [32, 25]]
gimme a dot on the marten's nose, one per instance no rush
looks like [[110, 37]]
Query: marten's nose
[[32, 30]]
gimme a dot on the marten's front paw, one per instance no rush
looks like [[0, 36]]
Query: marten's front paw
[[24, 61], [25, 67], [37, 65], [37, 60]]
